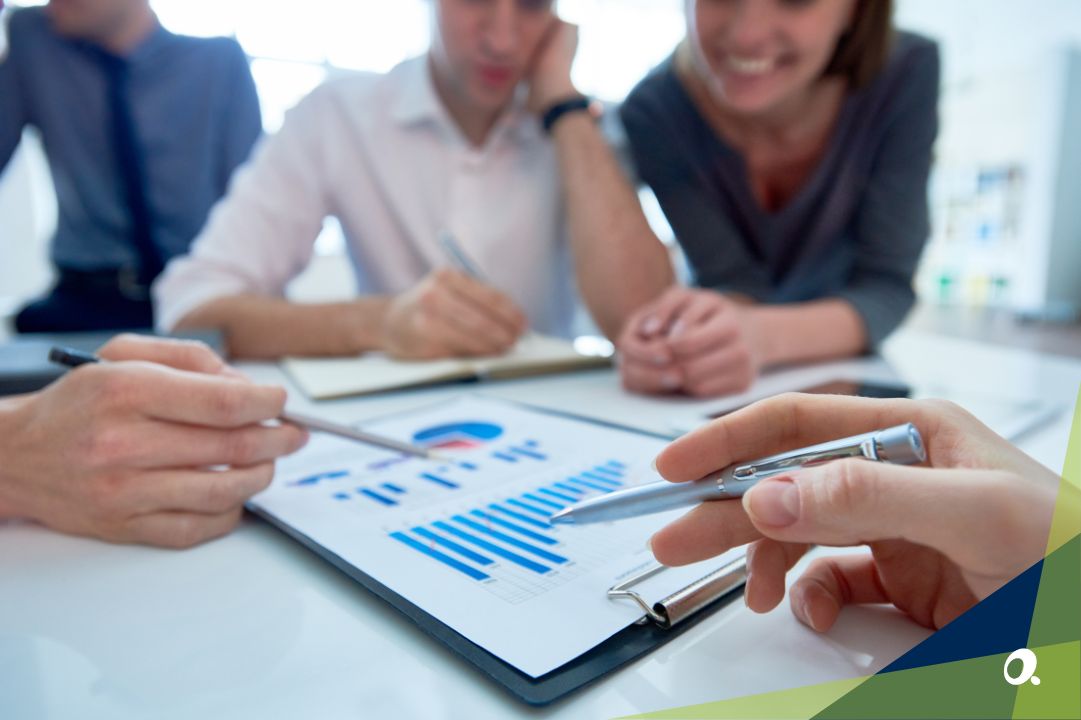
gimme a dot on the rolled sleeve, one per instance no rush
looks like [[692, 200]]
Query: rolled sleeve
[[262, 234], [893, 221]]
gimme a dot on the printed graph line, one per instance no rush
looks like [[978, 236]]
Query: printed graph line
[[432, 477], [541, 501], [451, 545], [558, 495], [512, 541], [377, 497], [524, 452], [590, 485], [492, 548], [529, 508], [441, 557], [518, 516], [600, 478], [525, 532]]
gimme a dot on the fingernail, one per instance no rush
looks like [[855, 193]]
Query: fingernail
[[649, 545], [653, 465], [677, 329], [660, 360], [651, 325], [805, 614], [670, 381], [774, 502]]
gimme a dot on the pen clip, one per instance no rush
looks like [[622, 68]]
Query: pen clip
[[860, 446]]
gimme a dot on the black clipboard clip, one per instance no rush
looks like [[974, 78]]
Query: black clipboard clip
[[686, 601]]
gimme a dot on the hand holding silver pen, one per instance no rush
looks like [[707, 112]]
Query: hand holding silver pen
[[901, 444], [934, 538], [451, 313]]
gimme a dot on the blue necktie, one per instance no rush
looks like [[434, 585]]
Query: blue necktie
[[132, 168]]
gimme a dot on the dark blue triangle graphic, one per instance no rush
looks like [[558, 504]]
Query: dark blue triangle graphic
[[999, 624]]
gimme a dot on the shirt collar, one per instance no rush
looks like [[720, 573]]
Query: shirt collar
[[146, 49], [417, 102], [158, 38]]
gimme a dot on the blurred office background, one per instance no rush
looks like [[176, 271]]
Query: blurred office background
[[1006, 192]]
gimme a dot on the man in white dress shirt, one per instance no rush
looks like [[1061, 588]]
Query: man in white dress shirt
[[448, 142]]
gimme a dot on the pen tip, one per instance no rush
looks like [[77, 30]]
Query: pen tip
[[563, 517]]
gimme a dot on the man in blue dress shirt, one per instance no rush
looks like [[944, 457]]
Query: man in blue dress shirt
[[142, 129]]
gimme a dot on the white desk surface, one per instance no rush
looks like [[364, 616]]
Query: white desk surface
[[253, 625]]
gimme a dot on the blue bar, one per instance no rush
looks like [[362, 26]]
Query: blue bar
[[542, 501], [504, 457], [467, 465], [516, 528], [446, 559], [529, 453], [394, 488], [314, 479], [503, 537], [535, 510], [531, 443], [376, 496], [514, 558], [463, 551], [439, 481], [342, 496], [588, 484], [558, 495], [608, 472], [617, 464], [519, 516], [600, 478], [570, 488]]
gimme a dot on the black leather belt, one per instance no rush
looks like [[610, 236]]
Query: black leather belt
[[119, 281]]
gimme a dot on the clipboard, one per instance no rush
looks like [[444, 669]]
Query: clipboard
[[663, 619]]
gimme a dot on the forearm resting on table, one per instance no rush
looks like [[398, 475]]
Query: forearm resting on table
[[804, 332], [266, 328], [9, 409], [621, 265]]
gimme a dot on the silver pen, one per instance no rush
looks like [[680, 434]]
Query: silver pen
[[71, 358], [351, 433], [464, 263], [457, 256], [900, 445]]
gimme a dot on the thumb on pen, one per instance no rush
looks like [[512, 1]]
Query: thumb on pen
[[975, 517]]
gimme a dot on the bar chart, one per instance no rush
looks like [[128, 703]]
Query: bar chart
[[508, 544], [468, 538]]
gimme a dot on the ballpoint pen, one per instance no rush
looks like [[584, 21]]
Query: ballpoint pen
[[74, 358], [464, 263], [457, 256], [901, 445]]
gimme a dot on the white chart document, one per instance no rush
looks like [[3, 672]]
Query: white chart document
[[468, 540]]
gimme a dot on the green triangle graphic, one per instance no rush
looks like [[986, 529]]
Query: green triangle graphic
[[1058, 696], [973, 688], [797, 703], [1056, 618]]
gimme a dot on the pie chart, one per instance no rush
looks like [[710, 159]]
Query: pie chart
[[458, 435]]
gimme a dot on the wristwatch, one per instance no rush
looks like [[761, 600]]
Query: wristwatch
[[578, 103]]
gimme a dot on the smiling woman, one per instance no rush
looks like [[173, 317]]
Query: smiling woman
[[789, 144]]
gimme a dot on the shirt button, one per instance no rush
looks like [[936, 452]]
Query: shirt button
[[473, 162]]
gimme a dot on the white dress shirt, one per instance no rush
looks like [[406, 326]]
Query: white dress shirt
[[381, 154]]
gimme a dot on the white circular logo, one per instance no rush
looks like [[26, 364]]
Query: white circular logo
[[1028, 667]]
